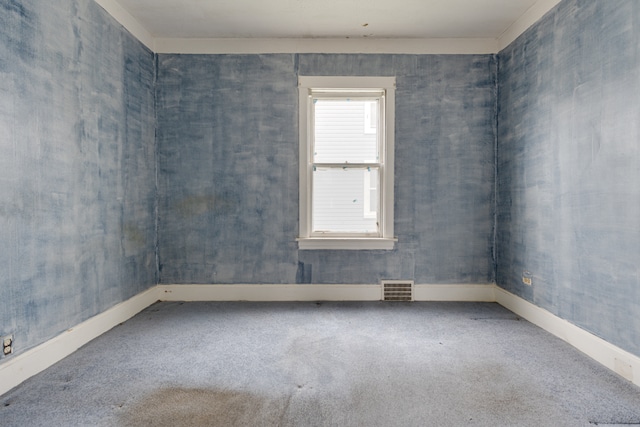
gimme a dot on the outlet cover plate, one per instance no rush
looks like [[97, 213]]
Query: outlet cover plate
[[7, 345]]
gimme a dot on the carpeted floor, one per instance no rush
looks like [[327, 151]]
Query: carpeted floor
[[324, 364]]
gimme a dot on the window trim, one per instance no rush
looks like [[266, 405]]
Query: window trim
[[343, 83]]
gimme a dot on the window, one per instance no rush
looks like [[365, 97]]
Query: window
[[346, 162]]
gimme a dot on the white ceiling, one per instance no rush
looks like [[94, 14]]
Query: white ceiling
[[364, 20]]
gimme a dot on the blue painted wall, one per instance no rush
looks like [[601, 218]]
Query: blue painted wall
[[228, 170], [568, 189], [77, 166], [80, 151]]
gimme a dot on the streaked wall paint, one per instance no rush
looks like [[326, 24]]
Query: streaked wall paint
[[77, 166], [228, 166], [568, 192]]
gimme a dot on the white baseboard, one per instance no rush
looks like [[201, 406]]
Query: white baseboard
[[465, 292], [269, 292], [618, 360], [462, 293], [23, 366]]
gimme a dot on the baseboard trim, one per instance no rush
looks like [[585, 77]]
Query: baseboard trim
[[269, 292], [23, 366], [457, 292], [623, 363], [339, 292]]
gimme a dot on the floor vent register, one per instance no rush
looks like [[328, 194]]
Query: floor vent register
[[397, 290]]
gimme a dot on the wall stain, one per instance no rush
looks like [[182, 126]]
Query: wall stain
[[192, 206], [303, 274], [195, 205], [134, 235]]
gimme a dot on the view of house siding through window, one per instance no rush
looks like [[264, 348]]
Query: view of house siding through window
[[346, 178]]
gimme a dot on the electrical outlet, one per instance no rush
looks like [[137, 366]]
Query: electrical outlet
[[526, 278], [7, 345]]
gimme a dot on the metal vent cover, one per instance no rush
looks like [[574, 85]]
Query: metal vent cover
[[397, 290]]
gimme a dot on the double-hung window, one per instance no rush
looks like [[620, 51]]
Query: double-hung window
[[346, 162]]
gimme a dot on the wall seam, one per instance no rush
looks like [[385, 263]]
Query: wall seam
[[156, 155], [496, 93]]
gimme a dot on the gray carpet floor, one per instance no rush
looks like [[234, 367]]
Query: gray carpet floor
[[324, 364]]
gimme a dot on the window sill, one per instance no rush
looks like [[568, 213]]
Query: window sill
[[346, 243]]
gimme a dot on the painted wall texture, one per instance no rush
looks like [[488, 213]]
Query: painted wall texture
[[568, 188], [228, 169], [81, 150], [77, 166]]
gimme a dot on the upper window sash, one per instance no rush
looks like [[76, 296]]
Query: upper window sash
[[376, 153]]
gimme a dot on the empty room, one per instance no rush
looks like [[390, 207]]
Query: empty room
[[319, 213]]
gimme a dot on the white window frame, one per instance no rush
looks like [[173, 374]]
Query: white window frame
[[386, 239]]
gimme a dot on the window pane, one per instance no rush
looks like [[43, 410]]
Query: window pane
[[346, 131], [371, 194], [342, 200]]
